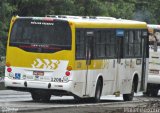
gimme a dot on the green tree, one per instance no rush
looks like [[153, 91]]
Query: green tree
[[120, 8], [61, 7], [30, 7], [6, 10], [146, 11], [90, 8]]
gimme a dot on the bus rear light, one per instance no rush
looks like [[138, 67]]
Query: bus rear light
[[71, 23], [69, 68], [9, 69], [8, 64], [13, 20], [67, 73], [48, 19]]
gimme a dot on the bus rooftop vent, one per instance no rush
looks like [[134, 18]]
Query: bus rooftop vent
[[64, 16], [82, 17]]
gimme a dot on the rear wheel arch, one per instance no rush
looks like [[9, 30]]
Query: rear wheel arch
[[101, 79], [98, 89], [129, 97], [135, 82]]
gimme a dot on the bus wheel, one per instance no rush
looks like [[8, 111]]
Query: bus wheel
[[35, 96], [45, 98], [152, 90], [129, 97], [98, 91]]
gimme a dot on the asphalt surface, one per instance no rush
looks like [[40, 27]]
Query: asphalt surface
[[13, 102]]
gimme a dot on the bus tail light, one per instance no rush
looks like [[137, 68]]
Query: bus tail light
[[9, 69], [69, 68], [67, 73], [8, 64], [48, 19]]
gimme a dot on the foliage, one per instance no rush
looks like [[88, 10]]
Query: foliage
[[121, 9], [6, 10]]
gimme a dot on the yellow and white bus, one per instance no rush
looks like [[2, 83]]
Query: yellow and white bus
[[153, 85], [82, 57]]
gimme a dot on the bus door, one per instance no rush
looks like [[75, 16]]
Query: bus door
[[89, 49], [120, 71]]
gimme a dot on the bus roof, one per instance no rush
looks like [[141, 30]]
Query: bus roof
[[116, 23], [153, 26], [96, 22], [101, 22]]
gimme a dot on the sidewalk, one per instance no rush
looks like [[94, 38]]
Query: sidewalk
[[2, 84], [9, 92], [1, 79]]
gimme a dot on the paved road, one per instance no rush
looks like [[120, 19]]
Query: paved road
[[13, 101]]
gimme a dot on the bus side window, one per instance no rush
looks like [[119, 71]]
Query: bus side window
[[133, 43], [80, 44], [138, 43], [126, 44], [100, 43], [89, 46]]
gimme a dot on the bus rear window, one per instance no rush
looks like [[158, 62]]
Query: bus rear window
[[41, 36]]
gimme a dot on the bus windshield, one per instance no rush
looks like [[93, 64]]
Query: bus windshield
[[31, 35]]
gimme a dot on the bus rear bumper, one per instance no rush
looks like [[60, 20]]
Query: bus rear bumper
[[28, 86]]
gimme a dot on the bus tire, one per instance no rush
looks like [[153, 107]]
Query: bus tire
[[129, 97], [98, 91], [46, 98], [154, 93], [152, 90], [35, 97], [78, 99]]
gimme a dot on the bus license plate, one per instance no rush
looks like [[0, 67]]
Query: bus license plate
[[39, 73]]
